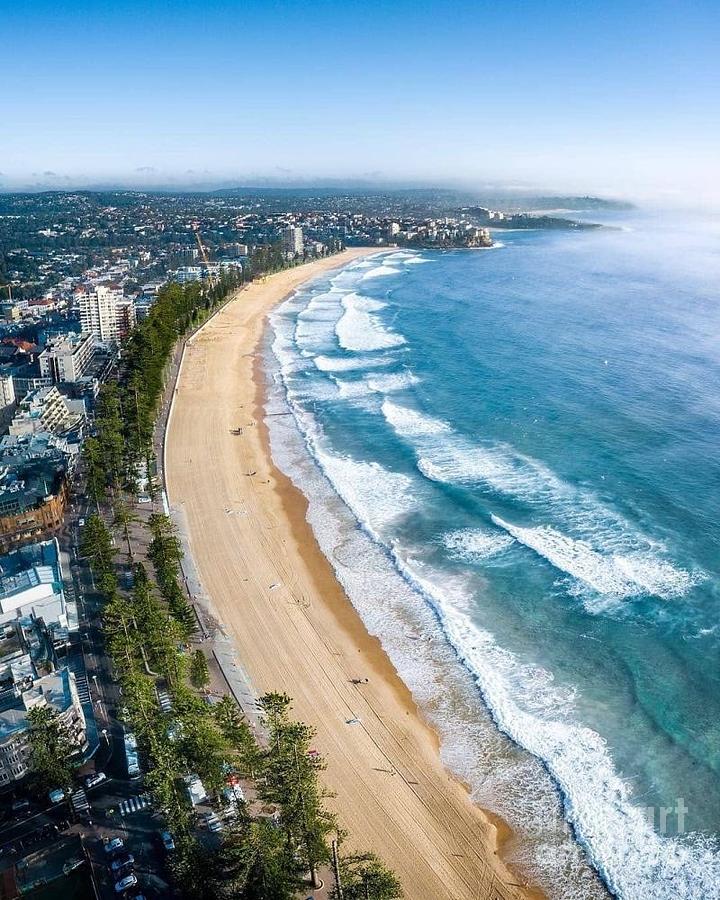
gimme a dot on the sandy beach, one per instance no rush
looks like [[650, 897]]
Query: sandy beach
[[295, 629]]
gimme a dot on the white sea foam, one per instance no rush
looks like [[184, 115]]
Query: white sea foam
[[461, 462], [414, 260], [476, 544], [360, 302], [359, 330], [351, 390], [322, 305], [400, 256], [392, 382], [376, 495], [371, 385], [381, 272], [349, 364], [411, 423], [610, 575], [315, 335]]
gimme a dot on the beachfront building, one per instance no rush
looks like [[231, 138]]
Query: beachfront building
[[36, 624], [67, 357], [293, 240], [31, 590], [125, 318], [104, 312], [188, 273], [33, 486], [7, 392], [47, 410], [7, 399], [58, 691]]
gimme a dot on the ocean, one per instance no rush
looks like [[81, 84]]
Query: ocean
[[512, 461]]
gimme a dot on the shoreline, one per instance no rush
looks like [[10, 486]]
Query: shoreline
[[315, 639]]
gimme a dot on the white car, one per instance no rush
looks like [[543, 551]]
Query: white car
[[81, 522], [93, 780], [143, 498], [125, 883], [56, 796]]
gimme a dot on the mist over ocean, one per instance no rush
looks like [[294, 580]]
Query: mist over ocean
[[512, 460]]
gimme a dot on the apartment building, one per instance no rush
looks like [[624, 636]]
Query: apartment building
[[67, 357], [47, 410], [58, 691], [293, 239], [33, 486], [104, 312]]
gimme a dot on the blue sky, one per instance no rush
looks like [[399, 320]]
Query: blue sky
[[612, 97]]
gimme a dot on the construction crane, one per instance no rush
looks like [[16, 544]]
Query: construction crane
[[203, 253]]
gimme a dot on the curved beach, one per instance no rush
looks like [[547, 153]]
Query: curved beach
[[293, 626]]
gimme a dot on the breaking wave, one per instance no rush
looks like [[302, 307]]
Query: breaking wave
[[359, 330]]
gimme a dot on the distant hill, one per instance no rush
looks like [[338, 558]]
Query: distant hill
[[576, 203]]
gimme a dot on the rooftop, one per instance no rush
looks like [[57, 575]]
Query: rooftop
[[31, 587], [53, 690]]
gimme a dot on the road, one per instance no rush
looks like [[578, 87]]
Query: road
[[42, 827]]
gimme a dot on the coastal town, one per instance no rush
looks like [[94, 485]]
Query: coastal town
[[53, 243], [86, 280]]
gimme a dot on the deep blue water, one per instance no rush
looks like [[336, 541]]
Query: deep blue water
[[530, 435]]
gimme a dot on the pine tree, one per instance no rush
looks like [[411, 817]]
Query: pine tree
[[365, 877], [199, 672], [291, 782], [51, 750]]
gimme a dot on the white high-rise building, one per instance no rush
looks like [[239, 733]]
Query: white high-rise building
[[7, 392], [293, 239], [67, 357], [105, 312]]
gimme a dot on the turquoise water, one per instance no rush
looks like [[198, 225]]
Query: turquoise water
[[526, 438]]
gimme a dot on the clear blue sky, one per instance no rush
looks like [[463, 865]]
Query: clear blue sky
[[604, 96]]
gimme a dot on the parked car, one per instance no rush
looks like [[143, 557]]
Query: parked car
[[95, 779], [81, 522], [143, 498], [122, 862], [167, 840], [20, 806], [114, 846], [126, 883], [56, 796]]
